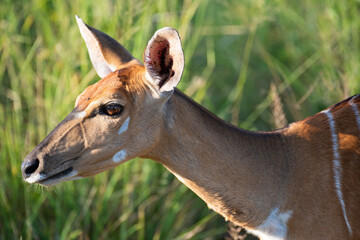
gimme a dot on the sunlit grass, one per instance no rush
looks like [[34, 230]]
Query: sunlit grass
[[234, 50]]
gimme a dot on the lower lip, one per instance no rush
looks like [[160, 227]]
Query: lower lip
[[57, 176]]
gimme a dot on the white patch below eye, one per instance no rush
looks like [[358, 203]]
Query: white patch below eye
[[274, 227], [125, 126], [119, 156]]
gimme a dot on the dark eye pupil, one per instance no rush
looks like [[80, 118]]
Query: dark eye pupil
[[113, 109]]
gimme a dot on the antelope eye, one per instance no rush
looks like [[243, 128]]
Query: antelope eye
[[113, 109]]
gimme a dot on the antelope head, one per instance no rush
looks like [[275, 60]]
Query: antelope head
[[116, 119]]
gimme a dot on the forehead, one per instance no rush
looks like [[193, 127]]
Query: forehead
[[119, 83]]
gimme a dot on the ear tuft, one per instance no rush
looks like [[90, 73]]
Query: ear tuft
[[164, 59]]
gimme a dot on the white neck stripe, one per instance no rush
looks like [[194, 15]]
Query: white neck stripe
[[356, 112], [337, 166]]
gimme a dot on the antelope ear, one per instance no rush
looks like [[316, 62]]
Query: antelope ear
[[106, 54], [164, 59]]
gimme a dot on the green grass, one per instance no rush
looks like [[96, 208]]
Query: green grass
[[234, 51]]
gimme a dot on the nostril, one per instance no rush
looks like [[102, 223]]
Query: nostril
[[31, 167]]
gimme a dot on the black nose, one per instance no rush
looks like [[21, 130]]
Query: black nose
[[29, 166]]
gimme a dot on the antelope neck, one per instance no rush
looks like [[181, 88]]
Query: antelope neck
[[238, 173]]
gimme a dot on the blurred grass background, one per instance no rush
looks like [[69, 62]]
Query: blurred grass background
[[256, 63]]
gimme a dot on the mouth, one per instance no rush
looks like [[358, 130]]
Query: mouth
[[57, 175], [46, 180]]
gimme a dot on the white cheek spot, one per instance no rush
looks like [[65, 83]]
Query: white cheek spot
[[125, 126], [35, 177], [80, 114], [119, 156], [274, 227]]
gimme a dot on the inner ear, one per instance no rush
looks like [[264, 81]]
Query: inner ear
[[159, 61], [164, 59]]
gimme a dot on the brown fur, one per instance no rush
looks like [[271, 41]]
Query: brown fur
[[240, 174]]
